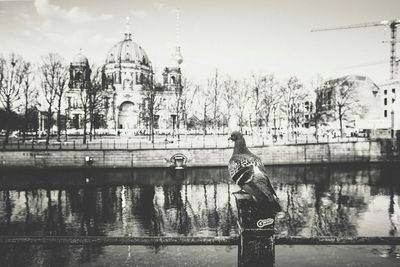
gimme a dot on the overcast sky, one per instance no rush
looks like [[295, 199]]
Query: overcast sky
[[237, 37]]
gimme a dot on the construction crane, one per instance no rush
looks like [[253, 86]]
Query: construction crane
[[392, 24]]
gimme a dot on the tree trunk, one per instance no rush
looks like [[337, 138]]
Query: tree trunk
[[152, 125], [266, 123], [25, 129], [205, 120], [84, 125], [7, 132], [340, 121], [91, 124], [49, 117], [59, 121], [8, 109]]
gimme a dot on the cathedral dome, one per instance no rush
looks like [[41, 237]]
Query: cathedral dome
[[80, 59], [127, 51]]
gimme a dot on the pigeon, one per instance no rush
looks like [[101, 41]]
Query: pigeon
[[248, 171]]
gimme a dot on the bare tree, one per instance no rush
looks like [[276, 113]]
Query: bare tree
[[96, 97], [242, 102], [270, 97], [230, 89], [54, 76], [62, 87], [29, 93], [84, 103], [10, 81], [153, 99], [292, 96], [320, 110], [205, 97], [345, 99], [187, 98], [214, 95], [177, 105], [258, 84]]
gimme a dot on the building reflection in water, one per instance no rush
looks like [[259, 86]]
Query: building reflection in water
[[317, 201]]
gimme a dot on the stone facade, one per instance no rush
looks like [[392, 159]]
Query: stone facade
[[129, 90], [349, 152]]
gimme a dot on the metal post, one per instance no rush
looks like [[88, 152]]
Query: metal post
[[114, 144], [257, 245], [101, 144], [74, 144], [18, 144]]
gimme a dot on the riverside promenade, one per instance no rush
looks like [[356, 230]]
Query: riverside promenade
[[199, 151]]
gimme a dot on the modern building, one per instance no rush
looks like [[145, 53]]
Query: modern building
[[390, 108], [130, 93], [359, 99]]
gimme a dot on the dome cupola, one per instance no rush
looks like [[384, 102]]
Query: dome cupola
[[127, 51], [80, 59]]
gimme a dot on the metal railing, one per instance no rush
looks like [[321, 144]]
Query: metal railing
[[195, 240], [135, 143]]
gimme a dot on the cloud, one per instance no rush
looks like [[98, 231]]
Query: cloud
[[160, 6], [75, 15], [140, 14]]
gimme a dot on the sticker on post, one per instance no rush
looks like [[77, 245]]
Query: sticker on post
[[265, 222]]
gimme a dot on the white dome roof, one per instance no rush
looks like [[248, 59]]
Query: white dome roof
[[127, 51], [80, 59]]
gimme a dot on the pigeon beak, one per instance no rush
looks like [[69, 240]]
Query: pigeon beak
[[230, 138]]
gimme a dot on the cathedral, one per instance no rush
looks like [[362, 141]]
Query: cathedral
[[128, 91]]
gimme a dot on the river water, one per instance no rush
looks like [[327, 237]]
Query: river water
[[320, 200]]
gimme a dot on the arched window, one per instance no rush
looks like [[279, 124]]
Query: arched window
[[78, 76], [173, 80], [111, 57], [127, 56], [127, 84]]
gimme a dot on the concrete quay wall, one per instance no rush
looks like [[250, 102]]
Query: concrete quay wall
[[366, 151]]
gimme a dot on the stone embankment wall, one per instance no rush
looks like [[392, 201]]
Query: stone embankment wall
[[366, 151]]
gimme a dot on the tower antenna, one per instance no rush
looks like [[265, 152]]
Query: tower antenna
[[178, 55], [177, 27]]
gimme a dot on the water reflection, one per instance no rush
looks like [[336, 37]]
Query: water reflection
[[319, 200]]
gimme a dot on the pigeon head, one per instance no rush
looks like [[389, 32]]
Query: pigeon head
[[240, 143]]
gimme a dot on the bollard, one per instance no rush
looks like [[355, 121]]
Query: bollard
[[256, 246]]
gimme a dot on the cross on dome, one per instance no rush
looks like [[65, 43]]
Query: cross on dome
[[128, 34]]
